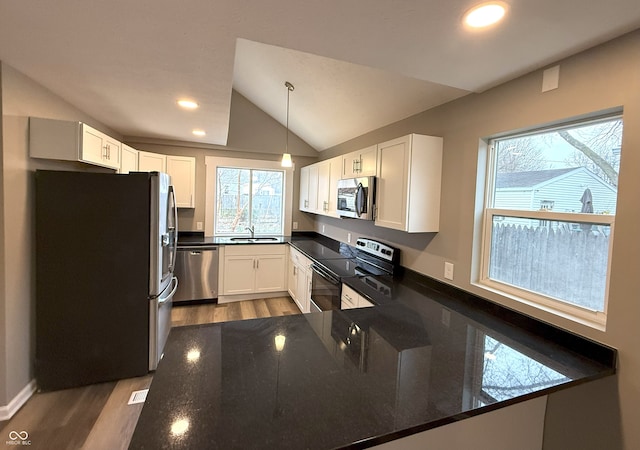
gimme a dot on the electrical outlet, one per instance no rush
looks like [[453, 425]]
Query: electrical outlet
[[199, 226], [295, 225], [348, 238], [448, 270], [322, 229]]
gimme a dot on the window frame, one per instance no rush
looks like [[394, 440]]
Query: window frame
[[211, 167], [577, 313]]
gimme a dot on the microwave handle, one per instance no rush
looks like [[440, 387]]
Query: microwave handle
[[360, 200]]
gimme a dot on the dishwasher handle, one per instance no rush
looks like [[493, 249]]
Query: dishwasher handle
[[197, 248]]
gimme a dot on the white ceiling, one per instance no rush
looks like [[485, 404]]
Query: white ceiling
[[356, 65]]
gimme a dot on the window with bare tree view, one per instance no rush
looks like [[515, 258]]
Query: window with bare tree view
[[249, 198], [550, 210]]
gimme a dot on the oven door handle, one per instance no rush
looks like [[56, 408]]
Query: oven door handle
[[324, 274]]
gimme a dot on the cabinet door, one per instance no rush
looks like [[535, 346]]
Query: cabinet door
[[392, 184], [239, 275], [128, 159], [313, 188], [362, 163], [334, 175], [292, 280], [112, 152], [151, 162], [92, 150], [368, 161], [98, 148], [324, 179], [302, 289], [304, 189], [349, 162], [182, 170], [270, 273]]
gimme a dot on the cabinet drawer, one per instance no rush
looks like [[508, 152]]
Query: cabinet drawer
[[298, 258], [349, 298]]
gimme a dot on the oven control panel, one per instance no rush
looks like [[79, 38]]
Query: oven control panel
[[376, 248]]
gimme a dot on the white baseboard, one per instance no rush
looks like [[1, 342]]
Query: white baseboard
[[7, 411]]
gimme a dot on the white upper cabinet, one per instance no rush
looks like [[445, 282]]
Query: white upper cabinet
[[72, 141], [304, 188], [361, 163], [329, 172], [182, 170], [309, 188], [151, 162], [408, 184], [319, 187], [128, 159]]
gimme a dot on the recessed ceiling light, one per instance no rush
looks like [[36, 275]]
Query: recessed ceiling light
[[199, 132], [187, 104], [485, 14]]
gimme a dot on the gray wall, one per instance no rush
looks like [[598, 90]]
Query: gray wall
[[604, 77]]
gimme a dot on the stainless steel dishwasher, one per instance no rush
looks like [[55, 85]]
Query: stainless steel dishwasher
[[197, 273]]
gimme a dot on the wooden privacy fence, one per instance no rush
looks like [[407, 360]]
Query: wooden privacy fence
[[567, 265]]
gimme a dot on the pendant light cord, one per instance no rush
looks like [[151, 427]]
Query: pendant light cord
[[289, 89]]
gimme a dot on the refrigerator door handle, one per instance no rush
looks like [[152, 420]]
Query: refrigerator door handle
[[174, 229], [170, 295]]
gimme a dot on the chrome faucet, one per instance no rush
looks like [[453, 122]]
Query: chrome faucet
[[251, 230]]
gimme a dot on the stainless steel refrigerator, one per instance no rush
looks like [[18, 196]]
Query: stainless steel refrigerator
[[105, 253]]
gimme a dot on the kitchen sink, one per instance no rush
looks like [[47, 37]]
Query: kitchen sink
[[257, 239]]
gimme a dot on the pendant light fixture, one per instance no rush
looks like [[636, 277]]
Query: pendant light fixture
[[286, 156]]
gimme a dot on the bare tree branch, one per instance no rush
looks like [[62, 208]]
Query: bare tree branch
[[600, 162]]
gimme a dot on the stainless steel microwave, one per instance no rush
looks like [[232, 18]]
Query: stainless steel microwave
[[356, 197]]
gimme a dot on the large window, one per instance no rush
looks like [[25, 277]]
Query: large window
[[249, 198], [244, 193], [549, 215]]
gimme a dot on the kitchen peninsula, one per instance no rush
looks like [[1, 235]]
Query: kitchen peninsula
[[429, 356]]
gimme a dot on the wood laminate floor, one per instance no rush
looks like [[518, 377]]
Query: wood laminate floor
[[97, 417]]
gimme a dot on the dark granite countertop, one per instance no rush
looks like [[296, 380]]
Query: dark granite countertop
[[426, 355]]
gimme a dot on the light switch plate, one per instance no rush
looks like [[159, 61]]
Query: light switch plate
[[199, 226]]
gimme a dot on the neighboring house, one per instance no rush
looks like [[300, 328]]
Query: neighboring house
[[557, 190]]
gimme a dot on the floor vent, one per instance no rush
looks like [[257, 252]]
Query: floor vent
[[138, 397]]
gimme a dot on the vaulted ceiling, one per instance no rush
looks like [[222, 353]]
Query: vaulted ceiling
[[356, 65]]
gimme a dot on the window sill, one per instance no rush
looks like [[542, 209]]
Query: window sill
[[587, 318]]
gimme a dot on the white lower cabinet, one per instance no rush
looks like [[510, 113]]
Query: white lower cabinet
[[351, 299], [249, 269], [299, 283]]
